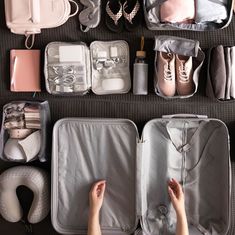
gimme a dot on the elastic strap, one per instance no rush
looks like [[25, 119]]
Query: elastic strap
[[77, 8], [27, 41], [84, 30]]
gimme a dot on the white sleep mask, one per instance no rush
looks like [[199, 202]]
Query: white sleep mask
[[91, 15], [35, 179]]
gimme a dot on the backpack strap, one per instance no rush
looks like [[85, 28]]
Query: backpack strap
[[29, 45], [77, 8]]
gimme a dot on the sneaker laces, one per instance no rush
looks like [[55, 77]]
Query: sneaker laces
[[168, 76], [184, 78]]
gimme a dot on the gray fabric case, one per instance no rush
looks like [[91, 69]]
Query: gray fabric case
[[194, 150], [153, 22], [209, 86], [92, 79], [181, 46]]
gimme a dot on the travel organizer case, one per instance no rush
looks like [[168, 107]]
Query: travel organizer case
[[180, 46], [44, 113], [206, 15], [74, 68], [192, 149]]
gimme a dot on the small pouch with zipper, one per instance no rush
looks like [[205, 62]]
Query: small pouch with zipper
[[182, 85]]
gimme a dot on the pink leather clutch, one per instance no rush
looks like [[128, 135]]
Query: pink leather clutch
[[25, 70]]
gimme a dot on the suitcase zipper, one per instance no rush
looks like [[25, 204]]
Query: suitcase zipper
[[183, 171]]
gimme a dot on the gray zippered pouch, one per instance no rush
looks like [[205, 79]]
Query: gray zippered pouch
[[181, 46]]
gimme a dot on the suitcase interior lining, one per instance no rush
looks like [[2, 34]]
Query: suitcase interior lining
[[93, 151], [206, 161]]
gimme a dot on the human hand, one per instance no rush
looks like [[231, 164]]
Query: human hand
[[176, 196], [96, 196]]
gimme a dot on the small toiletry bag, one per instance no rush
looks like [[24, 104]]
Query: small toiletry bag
[[221, 73], [171, 79], [196, 15], [25, 131], [28, 17], [75, 69]]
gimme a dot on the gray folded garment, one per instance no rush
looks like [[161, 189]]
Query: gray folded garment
[[232, 88], [218, 72], [211, 11], [227, 57]]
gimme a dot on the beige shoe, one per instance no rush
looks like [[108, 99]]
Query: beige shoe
[[166, 73], [184, 75]]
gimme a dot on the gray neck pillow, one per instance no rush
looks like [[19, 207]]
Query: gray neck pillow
[[35, 179]]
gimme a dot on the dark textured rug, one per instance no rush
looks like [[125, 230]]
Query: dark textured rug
[[140, 109]]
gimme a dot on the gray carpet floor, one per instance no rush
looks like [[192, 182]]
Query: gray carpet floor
[[139, 109]]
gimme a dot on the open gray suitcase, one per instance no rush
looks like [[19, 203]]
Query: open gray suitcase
[[194, 150]]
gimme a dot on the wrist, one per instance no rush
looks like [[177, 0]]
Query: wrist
[[94, 213], [181, 214]]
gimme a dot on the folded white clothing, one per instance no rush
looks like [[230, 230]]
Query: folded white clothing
[[227, 57], [211, 11], [232, 88]]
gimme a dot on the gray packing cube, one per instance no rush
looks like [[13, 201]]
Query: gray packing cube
[[205, 10], [75, 68], [220, 74], [192, 149], [45, 122], [180, 46]]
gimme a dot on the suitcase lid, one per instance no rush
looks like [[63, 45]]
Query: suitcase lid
[[85, 151]]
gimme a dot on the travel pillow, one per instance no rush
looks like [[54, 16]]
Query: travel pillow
[[35, 179]]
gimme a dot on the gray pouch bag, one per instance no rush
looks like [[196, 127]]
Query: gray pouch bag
[[90, 16], [205, 18], [180, 46], [21, 131], [220, 84]]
